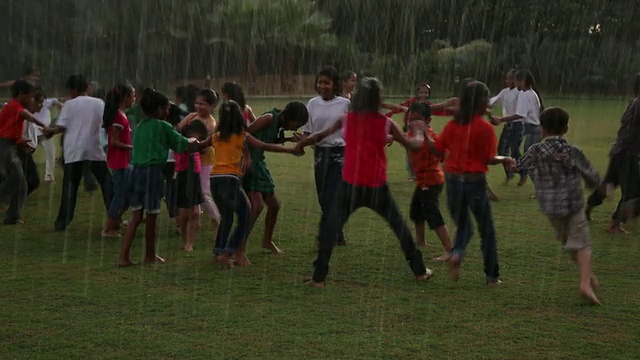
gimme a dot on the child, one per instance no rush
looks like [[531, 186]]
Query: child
[[471, 143], [170, 193], [425, 203], [118, 130], [229, 142], [364, 178], [233, 91], [324, 110], [151, 143], [44, 115], [349, 83], [188, 167], [30, 137], [12, 117], [269, 128], [511, 136], [558, 167], [206, 100]]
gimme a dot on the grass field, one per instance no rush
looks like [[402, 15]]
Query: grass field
[[61, 295]]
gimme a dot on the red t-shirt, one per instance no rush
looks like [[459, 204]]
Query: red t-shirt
[[11, 124], [470, 146], [118, 158], [365, 160], [426, 164]]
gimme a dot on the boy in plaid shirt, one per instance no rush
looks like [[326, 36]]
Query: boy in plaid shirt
[[559, 166]]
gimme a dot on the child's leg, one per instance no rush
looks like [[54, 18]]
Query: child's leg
[[129, 235], [481, 208], [242, 210], [458, 203], [257, 204], [118, 200], [420, 240], [193, 225], [583, 259], [270, 220], [150, 239], [434, 218], [183, 223], [208, 205]]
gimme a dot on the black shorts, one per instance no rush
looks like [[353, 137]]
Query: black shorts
[[189, 190], [425, 206]]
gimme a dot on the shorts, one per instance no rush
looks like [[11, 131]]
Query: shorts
[[572, 231], [425, 206], [259, 179], [189, 189], [146, 188]]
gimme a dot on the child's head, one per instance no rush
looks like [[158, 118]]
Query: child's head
[[349, 81], [154, 104], [23, 91], [123, 95], [230, 120], [77, 85], [525, 80], [294, 115], [423, 92], [636, 86], [328, 83], [368, 95], [38, 100], [206, 100], [474, 100], [233, 91], [420, 111], [554, 121], [196, 129], [510, 79]]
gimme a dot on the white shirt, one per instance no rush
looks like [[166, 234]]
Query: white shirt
[[44, 115], [529, 107], [82, 119], [508, 98], [323, 114], [31, 132]]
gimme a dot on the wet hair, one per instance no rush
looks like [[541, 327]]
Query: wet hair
[[152, 101], [195, 128], [77, 83], [473, 95], [421, 108], [529, 81], [331, 73], [235, 93], [175, 114], [555, 121], [209, 96], [112, 101], [21, 87], [295, 111], [368, 95], [636, 86], [230, 120]]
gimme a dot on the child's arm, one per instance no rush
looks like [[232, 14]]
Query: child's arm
[[260, 123], [185, 121], [255, 143], [25, 114], [115, 138], [589, 174], [409, 143], [496, 99], [504, 160], [318, 136], [252, 116], [395, 109], [398, 109]]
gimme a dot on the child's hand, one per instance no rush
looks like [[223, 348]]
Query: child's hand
[[389, 140], [297, 137], [296, 150], [495, 120], [193, 140]]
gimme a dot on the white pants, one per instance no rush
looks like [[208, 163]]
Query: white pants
[[209, 206], [49, 148]]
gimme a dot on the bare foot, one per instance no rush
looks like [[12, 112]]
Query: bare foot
[[493, 196], [242, 260], [156, 260], [443, 257], [615, 228], [426, 276], [315, 284], [126, 263], [421, 244], [587, 293], [188, 248], [595, 283], [109, 234], [223, 261], [454, 267], [273, 248]]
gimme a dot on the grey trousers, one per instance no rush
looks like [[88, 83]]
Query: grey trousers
[[13, 184]]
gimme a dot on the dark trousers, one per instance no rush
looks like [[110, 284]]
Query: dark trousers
[[90, 181], [469, 196], [510, 141], [73, 173], [328, 175], [350, 198], [170, 189], [532, 135], [13, 185], [623, 171], [230, 198], [30, 170]]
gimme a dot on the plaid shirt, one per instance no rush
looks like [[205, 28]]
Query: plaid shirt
[[557, 167]]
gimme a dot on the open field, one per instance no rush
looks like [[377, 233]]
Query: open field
[[61, 295]]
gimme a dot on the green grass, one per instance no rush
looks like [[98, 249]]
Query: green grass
[[61, 295]]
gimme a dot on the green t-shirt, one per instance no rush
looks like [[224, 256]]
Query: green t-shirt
[[267, 135], [152, 141]]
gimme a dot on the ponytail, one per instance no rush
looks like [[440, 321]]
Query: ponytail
[[112, 102]]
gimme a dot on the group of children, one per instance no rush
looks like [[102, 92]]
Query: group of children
[[181, 153]]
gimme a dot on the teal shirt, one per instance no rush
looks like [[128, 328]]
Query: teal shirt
[[267, 135]]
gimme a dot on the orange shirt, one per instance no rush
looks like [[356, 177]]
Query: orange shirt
[[470, 146], [426, 164], [229, 155], [11, 124]]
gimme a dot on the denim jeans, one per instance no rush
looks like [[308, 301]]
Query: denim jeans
[[73, 174], [350, 198], [230, 197], [532, 135], [13, 184], [466, 197], [120, 188], [623, 171], [328, 175], [510, 141]]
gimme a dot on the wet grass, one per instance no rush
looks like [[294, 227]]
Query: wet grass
[[61, 295]]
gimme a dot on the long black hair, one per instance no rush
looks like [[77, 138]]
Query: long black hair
[[368, 95], [230, 120], [473, 98], [112, 102], [530, 81], [152, 102], [234, 92]]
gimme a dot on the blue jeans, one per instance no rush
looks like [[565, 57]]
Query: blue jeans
[[510, 141], [532, 135], [120, 188], [328, 175], [469, 195], [230, 197]]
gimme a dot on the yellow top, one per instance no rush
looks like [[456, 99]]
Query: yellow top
[[229, 155]]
